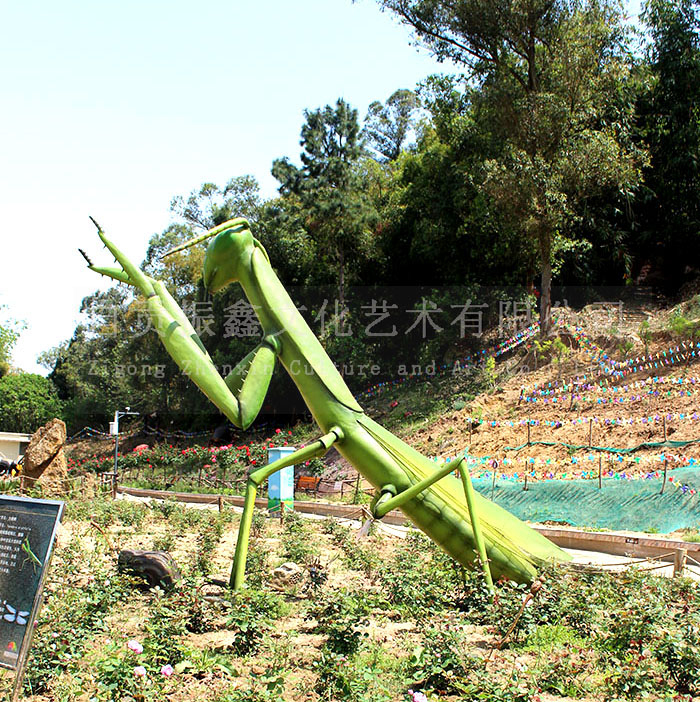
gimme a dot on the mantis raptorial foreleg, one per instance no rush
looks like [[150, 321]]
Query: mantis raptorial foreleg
[[255, 479], [240, 397]]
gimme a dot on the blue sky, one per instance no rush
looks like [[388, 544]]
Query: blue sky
[[112, 108]]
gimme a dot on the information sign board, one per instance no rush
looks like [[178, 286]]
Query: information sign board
[[27, 532]]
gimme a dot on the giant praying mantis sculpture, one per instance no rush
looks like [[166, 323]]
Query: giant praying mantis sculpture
[[451, 514]]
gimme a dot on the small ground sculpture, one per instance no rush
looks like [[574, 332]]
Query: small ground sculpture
[[45, 461], [472, 529]]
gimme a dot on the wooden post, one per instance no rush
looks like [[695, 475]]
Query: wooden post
[[528, 432], [221, 503], [520, 399], [600, 472], [199, 477], [663, 485], [357, 490], [590, 433], [679, 560], [525, 486]]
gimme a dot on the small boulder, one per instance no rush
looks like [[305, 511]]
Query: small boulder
[[286, 575], [157, 568]]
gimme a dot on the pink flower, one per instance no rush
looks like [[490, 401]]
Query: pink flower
[[140, 671], [167, 670], [134, 646], [417, 696]]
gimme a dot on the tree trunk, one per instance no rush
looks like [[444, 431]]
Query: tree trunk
[[341, 279], [546, 292]]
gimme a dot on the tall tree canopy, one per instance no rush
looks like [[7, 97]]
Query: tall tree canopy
[[387, 125], [549, 76], [670, 124], [9, 333], [338, 213]]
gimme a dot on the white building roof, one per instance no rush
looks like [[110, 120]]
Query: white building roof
[[14, 436]]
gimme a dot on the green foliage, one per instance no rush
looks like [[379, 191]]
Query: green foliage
[[297, 543], [550, 79], [668, 122], [208, 538], [258, 563], [341, 617], [440, 663], [107, 512], [679, 651], [548, 637], [268, 687], [563, 673], [421, 577], [387, 126], [250, 617], [683, 328], [645, 335], [165, 630], [9, 334], [73, 612], [337, 211], [490, 373], [211, 205], [27, 401]]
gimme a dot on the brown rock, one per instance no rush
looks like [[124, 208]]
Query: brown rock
[[44, 458]]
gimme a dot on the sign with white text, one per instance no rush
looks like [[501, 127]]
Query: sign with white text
[[27, 532]]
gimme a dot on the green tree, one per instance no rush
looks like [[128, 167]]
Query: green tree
[[27, 401], [670, 124], [212, 205], [438, 227], [90, 370], [9, 333], [387, 125], [551, 90], [338, 213]]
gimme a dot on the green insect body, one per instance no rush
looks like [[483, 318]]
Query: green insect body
[[514, 550], [31, 556]]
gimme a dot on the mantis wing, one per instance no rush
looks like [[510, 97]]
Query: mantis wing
[[515, 550]]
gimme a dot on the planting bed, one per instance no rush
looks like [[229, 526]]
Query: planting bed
[[374, 619]]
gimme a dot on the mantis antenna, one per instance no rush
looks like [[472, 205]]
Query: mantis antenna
[[239, 223]]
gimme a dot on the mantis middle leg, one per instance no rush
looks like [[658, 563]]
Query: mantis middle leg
[[255, 479]]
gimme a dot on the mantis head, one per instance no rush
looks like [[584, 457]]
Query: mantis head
[[228, 253]]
